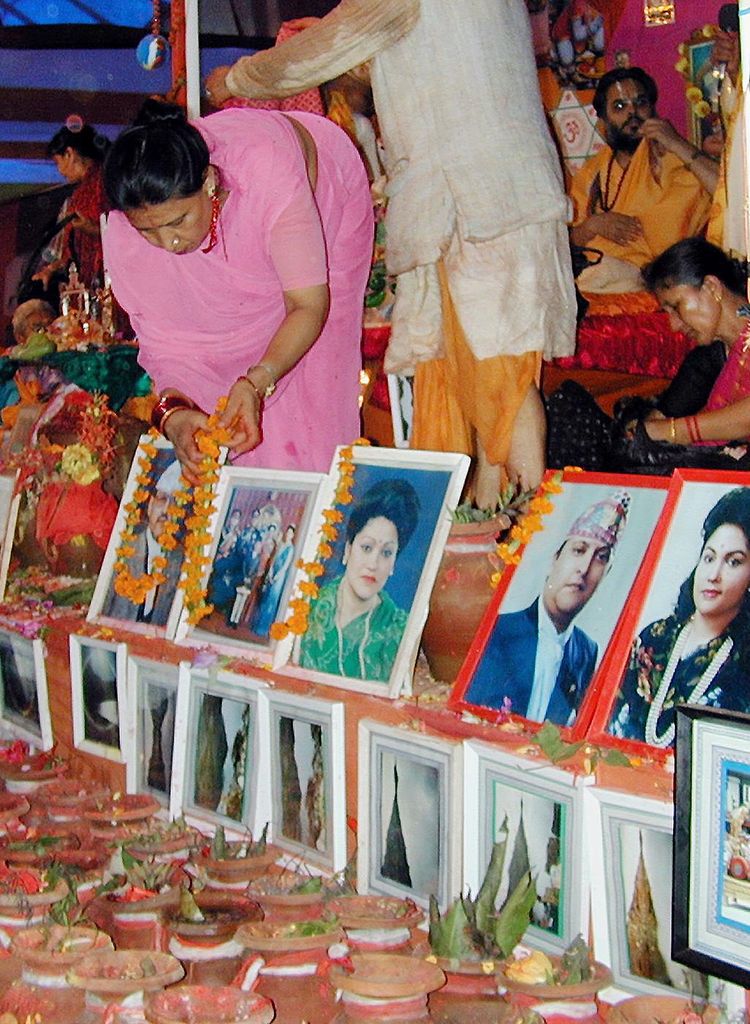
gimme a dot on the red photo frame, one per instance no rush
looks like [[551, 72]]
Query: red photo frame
[[583, 608], [656, 615]]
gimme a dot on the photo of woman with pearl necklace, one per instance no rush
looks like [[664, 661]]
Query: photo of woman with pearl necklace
[[699, 652]]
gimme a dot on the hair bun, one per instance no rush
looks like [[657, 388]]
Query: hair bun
[[158, 111]]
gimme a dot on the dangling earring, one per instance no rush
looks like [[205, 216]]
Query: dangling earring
[[213, 194]]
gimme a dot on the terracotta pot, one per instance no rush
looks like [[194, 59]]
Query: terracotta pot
[[200, 1004], [123, 977], [166, 849], [277, 937], [207, 948], [47, 952], [235, 871], [64, 800], [27, 778], [647, 1009], [281, 905], [460, 595], [469, 977], [137, 924], [577, 998], [19, 910], [386, 987], [122, 809], [376, 923], [12, 807]]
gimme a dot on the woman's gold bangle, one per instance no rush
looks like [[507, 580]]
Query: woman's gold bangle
[[258, 393], [672, 430]]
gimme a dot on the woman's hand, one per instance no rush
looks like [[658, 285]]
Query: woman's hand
[[242, 417], [216, 86], [657, 429], [180, 429]]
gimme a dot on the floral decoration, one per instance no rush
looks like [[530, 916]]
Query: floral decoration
[[509, 552], [308, 589], [694, 94]]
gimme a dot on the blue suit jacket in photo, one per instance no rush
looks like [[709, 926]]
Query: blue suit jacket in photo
[[506, 668]]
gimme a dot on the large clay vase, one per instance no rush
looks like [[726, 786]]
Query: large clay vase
[[461, 594], [200, 1004]]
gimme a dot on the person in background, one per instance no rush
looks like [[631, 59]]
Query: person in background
[[240, 245], [29, 317], [476, 218], [647, 188], [78, 156], [537, 657]]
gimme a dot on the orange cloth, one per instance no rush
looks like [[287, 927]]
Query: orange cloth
[[460, 396], [667, 198]]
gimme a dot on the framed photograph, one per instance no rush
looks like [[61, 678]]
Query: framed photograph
[[409, 814], [684, 636], [630, 868], [260, 531], [24, 703], [9, 503], [538, 809], [540, 645], [152, 483], [98, 677], [711, 894], [152, 706], [220, 763], [308, 776], [703, 80], [382, 544]]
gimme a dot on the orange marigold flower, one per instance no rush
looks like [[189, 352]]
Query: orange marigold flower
[[278, 631], [308, 588], [332, 515]]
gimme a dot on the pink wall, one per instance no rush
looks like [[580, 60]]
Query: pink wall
[[655, 49]]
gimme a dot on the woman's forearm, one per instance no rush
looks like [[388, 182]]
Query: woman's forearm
[[307, 309], [732, 423]]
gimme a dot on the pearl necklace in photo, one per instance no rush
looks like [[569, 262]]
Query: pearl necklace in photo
[[717, 662]]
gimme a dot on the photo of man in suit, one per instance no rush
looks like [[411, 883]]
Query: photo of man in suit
[[537, 658], [157, 604]]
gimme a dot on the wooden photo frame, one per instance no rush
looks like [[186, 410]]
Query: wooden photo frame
[[711, 885], [682, 637], [378, 580], [539, 808], [570, 587], [703, 87], [152, 709], [24, 699], [220, 764], [630, 868], [98, 678], [260, 530], [308, 776], [409, 814], [152, 491]]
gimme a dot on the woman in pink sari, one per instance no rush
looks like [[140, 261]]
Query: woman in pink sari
[[241, 251]]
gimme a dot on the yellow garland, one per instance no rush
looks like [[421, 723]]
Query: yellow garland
[[693, 92], [307, 589], [126, 584], [521, 533]]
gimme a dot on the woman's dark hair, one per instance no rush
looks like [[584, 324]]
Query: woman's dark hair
[[87, 142], [160, 157], [395, 500], [690, 261], [733, 508], [607, 80]]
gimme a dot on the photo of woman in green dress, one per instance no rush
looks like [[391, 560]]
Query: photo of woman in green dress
[[355, 625]]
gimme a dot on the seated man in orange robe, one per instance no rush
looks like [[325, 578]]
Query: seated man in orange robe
[[646, 189]]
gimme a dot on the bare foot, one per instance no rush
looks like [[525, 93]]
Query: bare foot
[[526, 457], [486, 481]]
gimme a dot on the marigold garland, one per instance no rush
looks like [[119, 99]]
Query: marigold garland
[[509, 552], [307, 589]]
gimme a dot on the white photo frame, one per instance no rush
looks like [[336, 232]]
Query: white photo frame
[[375, 651], [24, 698], [98, 678], [9, 504], [261, 528], [630, 858], [152, 712], [159, 613], [409, 838], [547, 802], [218, 713], [401, 399], [307, 768]]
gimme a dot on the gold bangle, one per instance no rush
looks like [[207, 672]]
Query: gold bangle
[[171, 412], [271, 386], [258, 393], [672, 430]]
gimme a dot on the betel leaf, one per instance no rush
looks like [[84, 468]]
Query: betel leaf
[[484, 906], [617, 759], [189, 909], [513, 920], [449, 935], [219, 844], [552, 744], [575, 963]]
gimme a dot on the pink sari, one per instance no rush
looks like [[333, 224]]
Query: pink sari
[[202, 319], [733, 383]]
